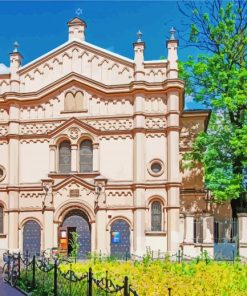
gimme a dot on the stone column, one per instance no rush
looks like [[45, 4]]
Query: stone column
[[208, 228], [189, 228], [74, 163], [95, 157], [13, 173], [53, 158], [139, 166]]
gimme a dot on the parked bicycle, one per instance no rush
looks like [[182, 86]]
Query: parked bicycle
[[11, 268]]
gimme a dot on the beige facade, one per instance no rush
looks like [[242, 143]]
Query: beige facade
[[119, 126]]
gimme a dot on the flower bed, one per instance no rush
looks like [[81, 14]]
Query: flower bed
[[153, 278]]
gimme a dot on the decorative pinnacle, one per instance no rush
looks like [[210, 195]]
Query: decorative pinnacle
[[16, 45], [139, 36], [172, 31]]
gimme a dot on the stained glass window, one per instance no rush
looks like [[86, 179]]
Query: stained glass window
[[86, 156], [64, 157], [156, 216]]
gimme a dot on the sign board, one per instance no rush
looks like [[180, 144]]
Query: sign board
[[115, 237]]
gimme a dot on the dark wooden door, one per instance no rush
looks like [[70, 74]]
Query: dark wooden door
[[120, 239], [31, 238]]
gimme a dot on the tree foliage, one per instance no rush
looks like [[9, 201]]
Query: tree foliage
[[218, 79]]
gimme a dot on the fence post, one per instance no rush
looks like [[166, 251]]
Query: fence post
[[126, 286], [169, 291], [33, 279], [55, 278], [179, 256], [90, 282]]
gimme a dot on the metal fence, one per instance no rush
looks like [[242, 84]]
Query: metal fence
[[46, 276]]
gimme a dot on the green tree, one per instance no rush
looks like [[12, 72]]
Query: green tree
[[218, 79]]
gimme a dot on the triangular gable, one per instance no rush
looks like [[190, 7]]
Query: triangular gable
[[75, 43], [73, 179], [75, 123]]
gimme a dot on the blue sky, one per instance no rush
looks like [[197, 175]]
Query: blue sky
[[42, 26]]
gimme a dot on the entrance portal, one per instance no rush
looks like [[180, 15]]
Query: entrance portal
[[77, 221]]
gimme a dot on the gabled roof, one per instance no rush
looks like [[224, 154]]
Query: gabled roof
[[82, 44]]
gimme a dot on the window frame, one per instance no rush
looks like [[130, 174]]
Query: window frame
[[58, 161], [152, 228], [79, 158]]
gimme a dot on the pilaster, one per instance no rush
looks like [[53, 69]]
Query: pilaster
[[13, 171], [189, 228], [208, 228], [139, 174], [242, 230], [173, 174], [96, 157]]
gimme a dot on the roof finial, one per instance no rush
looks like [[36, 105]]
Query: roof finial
[[16, 45], [172, 31], [139, 36]]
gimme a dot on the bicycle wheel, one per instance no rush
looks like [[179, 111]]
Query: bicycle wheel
[[6, 272]]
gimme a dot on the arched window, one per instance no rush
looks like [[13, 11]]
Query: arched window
[[1, 219], [156, 216], [86, 156], [64, 157]]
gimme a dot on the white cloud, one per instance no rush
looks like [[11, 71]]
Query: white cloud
[[4, 69]]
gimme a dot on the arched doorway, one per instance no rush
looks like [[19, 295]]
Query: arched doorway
[[77, 221], [120, 239], [31, 238]]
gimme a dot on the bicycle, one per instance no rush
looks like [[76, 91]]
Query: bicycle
[[11, 270]]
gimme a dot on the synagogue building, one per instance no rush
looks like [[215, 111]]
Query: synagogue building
[[92, 142]]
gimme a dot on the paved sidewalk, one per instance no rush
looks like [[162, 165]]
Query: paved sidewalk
[[7, 290]]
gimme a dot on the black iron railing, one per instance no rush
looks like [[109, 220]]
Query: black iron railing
[[45, 275]]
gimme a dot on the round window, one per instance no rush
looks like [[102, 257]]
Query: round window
[[2, 173], [156, 167]]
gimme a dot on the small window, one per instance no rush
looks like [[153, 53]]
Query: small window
[[65, 157], [1, 219], [86, 156], [156, 216], [155, 167], [2, 173]]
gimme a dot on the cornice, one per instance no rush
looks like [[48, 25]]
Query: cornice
[[75, 79]]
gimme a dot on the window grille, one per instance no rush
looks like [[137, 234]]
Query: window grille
[[156, 216], [1, 219], [86, 156], [64, 157]]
